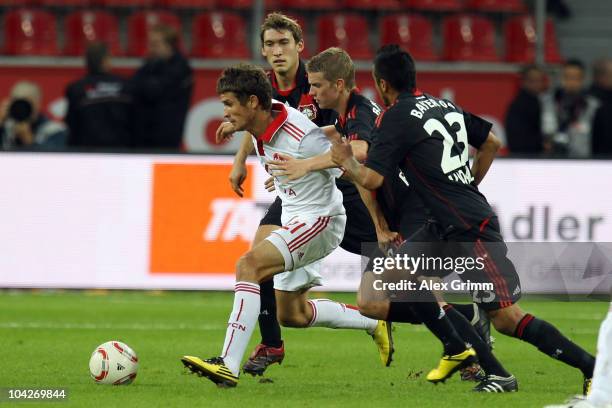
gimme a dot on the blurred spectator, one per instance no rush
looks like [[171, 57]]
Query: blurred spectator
[[567, 113], [524, 115], [22, 125], [98, 105], [602, 123], [162, 90]]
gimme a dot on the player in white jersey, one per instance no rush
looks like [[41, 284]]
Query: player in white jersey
[[313, 225]]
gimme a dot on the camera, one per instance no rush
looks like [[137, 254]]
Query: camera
[[20, 110]]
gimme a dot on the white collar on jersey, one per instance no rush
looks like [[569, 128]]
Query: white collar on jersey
[[277, 123]]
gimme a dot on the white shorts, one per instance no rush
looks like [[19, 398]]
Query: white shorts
[[303, 241]]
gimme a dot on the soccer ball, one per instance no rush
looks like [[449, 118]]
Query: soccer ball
[[114, 363]]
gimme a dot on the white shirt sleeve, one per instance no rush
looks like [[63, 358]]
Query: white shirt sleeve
[[316, 143]]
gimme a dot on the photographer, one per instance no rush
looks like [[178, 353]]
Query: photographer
[[22, 125]]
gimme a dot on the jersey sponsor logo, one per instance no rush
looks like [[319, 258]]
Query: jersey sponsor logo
[[290, 192]]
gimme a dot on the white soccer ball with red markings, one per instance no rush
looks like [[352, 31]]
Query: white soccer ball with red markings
[[114, 363]]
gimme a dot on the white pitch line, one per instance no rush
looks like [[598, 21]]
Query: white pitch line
[[109, 326]]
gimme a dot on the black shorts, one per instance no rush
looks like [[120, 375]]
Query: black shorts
[[486, 242], [359, 226], [273, 213]]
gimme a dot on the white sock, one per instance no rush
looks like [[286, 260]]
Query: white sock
[[327, 313], [601, 388], [241, 323]]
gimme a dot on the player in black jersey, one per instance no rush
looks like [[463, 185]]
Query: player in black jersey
[[427, 138], [331, 76], [282, 43]]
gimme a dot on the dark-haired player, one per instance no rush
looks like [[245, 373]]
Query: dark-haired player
[[282, 43], [427, 138], [313, 221], [331, 75]]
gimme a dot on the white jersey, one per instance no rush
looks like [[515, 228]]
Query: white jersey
[[293, 134]]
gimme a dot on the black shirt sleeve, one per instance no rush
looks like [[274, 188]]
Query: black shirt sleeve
[[477, 129], [391, 143], [362, 126]]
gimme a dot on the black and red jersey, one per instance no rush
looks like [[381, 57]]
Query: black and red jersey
[[297, 97], [428, 139], [399, 203]]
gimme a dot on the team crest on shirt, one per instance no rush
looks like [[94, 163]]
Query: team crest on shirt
[[309, 110]]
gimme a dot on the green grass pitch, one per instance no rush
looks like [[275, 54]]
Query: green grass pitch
[[46, 339]]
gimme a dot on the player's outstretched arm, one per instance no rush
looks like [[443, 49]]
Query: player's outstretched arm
[[484, 157], [239, 169], [342, 155], [294, 168]]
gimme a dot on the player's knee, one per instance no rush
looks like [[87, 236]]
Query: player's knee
[[292, 320], [247, 268], [372, 309], [506, 320]]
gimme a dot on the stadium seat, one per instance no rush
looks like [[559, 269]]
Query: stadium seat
[[309, 4], [520, 34], [138, 28], [347, 31], [435, 5], [412, 32], [182, 4], [86, 26], [30, 32], [66, 3], [372, 4], [219, 35], [17, 3], [468, 38], [127, 3], [235, 4], [503, 6]]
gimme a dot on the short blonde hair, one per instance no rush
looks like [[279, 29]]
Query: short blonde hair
[[334, 63]]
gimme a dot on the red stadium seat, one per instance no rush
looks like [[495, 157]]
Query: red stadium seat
[[199, 4], [412, 32], [520, 33], [83, 27], [219, 35], [469, 38], [310, 4], [496, 6], [30, 32], [127, 3], [17, 3], [372, 4], [347, 31], [138, 28], [435, 5], [66, 3], [235, 4]]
